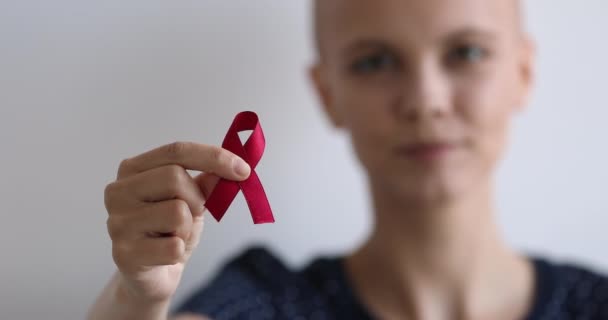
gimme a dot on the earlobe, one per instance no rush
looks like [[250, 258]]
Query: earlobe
[[319, 80]]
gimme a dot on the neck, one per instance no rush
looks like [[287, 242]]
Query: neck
[[433, 261]]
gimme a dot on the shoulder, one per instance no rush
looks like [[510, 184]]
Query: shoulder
[[566, 290], [256, 284]]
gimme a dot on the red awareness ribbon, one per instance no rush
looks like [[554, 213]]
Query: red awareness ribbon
[[224, 193]]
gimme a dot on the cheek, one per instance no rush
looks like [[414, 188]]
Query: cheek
[[486, 109], [366, 109], [366, 113]]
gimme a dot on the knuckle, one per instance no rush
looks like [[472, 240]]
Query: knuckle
[[179, 210], [177, 149], [121, 254], [175, 177], [183, 218], [115, 228], [109, 195], [174, 251], [124, 167]]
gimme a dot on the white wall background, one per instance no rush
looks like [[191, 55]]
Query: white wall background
[[84, 84]]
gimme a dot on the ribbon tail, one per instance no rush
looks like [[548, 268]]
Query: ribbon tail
[[256, 200], [221, 197]]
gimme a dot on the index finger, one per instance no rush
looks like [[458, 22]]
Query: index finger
[[191, 156]]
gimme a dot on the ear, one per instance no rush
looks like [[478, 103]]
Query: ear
[[319, 78], [527, 64]]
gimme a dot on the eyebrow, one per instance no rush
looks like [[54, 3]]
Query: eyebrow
[[466, 32], [472, 32], [365, 43]]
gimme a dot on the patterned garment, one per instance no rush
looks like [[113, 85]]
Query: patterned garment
[[257, 285]]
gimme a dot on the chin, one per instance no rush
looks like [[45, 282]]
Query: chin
[[430, 190], [429, 193]]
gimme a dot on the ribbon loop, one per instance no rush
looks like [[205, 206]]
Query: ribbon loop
[[224, 193]]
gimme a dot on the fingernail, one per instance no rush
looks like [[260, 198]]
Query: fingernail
[[241, 167]]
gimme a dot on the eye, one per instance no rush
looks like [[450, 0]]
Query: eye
[[374, 63], [468, 54]]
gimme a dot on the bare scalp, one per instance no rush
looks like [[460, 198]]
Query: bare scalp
[[326, 11]]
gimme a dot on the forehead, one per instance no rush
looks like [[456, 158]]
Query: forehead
[[342, 20]]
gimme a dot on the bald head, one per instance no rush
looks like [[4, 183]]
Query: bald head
[[332, 14]]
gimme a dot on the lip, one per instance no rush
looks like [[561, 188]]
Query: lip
[[426, 151]]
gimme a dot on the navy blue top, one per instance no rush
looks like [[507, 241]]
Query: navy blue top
[[257, 285]]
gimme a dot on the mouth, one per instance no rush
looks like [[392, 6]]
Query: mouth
[[426, 151]]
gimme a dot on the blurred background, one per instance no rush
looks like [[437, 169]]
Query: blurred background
[[84, 84]]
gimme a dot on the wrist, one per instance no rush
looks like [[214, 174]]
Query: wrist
[[140, 306]]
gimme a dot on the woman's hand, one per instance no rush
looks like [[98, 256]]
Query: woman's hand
[[156, 215]]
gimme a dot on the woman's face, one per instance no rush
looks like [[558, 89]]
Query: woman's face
[[425, 88]]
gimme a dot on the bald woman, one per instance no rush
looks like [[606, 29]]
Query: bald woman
[[426, 90]]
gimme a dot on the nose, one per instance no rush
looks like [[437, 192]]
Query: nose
[[424, 95]]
